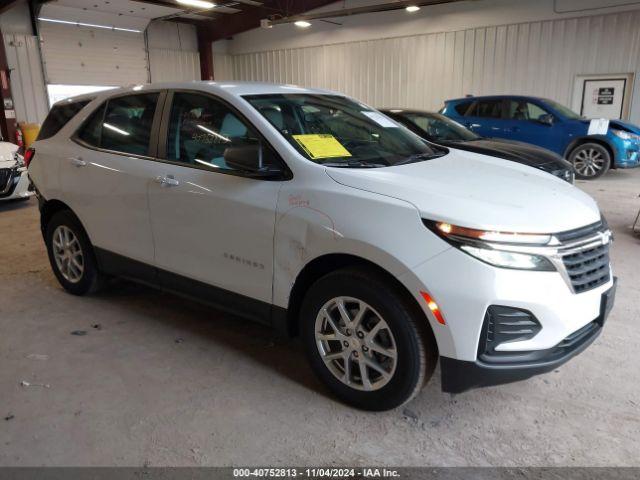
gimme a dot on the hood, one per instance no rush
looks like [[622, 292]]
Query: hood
[[7, 154], [476, 191], [520, 152], [629, 127], [617, 124]]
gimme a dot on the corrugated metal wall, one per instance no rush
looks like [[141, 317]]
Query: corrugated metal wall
[[27, 80], [75, 55], [173, 52], [535, 58], [223, 66], [173, 65]]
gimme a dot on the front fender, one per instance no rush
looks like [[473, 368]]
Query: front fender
[[594, 138]]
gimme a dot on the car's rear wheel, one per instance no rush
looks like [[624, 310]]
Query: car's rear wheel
[[71, 254], [590, 160], [364, 339]]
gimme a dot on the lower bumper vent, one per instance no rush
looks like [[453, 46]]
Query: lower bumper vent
[[503, 325]]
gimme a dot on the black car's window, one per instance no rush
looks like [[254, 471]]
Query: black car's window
[[330, 129], [202, 128], [122, 124], [439, 127], [488, 109], [523, 110], [463, 107], [59, 116]]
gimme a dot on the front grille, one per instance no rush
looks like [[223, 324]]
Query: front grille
[[5, 176], [588, 269]]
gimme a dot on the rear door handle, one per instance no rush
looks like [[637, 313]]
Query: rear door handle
[[78, 162], [168, 181]]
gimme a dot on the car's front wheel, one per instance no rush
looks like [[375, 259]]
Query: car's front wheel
[[590, 160], [365, 340], [71, 254]]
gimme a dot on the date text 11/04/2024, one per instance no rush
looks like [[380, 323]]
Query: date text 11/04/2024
[[316, 472]]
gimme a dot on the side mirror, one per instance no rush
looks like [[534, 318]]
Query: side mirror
[[546, 119], [249, 160]]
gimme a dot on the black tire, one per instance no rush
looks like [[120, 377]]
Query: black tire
[[414, 342], [91, 279], [590, 160]]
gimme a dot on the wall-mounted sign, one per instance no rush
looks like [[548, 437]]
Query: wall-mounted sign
[[604, 96]]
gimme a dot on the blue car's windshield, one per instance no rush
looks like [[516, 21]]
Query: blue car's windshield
[[564, 111]]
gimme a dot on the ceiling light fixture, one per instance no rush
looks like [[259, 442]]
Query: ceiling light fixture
[[412, 8], [196, 3], [302, 24], [90, 25]]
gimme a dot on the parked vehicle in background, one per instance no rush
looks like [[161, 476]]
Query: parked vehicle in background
[[548, 124], [311, 212], [442, 130], [14, 180]]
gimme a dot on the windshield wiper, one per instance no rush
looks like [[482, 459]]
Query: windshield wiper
[[354, 164], [419, 157]]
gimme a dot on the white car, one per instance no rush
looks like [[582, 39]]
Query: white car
[[312, 212], [14, 180]]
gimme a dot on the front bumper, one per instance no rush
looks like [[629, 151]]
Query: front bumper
[[627, 153], [459, 375], [15, 185]]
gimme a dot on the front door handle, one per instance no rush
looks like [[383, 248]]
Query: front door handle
[[168, 181], [78, 162]]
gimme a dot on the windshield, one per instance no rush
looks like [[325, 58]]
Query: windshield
[[333, 130], [562, 110], [439, 127]]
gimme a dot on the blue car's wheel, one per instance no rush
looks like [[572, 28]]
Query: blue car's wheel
[[590, 160]]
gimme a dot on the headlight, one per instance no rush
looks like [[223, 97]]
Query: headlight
[[19, 160], [623, 134], [493, 247], [499, 258]]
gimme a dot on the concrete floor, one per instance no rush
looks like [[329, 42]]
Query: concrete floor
[[162, 381]]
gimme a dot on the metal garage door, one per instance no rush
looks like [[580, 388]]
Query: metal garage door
[[27, 82], [75, 55]]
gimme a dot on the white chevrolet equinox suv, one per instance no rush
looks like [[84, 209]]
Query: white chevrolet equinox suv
[[312, 212]]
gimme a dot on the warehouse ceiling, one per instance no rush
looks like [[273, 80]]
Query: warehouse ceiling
[[216, 19], [225, 19]]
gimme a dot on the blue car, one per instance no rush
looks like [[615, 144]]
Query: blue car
[[553, 126]]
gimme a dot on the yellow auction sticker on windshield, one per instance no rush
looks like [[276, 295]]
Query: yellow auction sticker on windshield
[[321, 146]]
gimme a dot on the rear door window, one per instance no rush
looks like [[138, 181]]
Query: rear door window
[[488, 109], [59, 116], [127, 123], [92, 129], [122, 124]]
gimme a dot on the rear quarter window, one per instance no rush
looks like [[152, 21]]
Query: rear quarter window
[[59, 116]]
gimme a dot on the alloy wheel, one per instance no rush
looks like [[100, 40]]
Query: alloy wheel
[[67, 254], [588, 162], [356, 343]]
